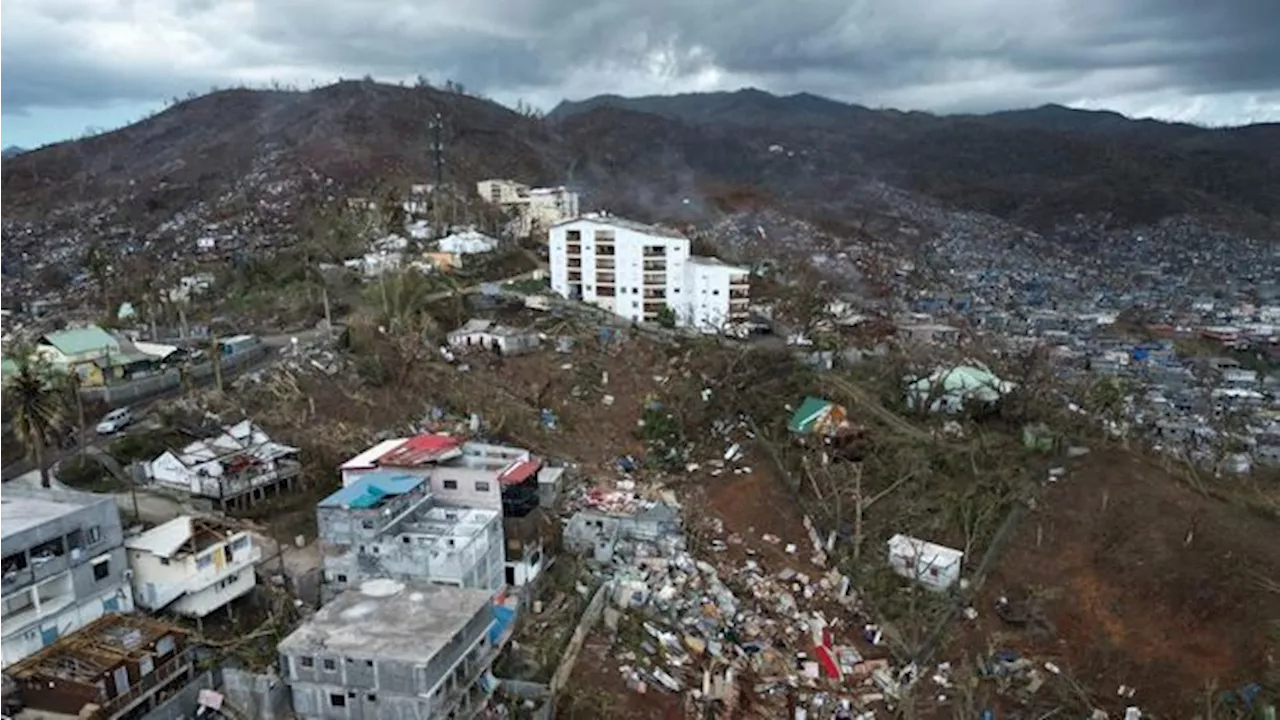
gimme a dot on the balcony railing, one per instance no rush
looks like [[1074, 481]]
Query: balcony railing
[[605, 263], [651, 278], [573, 249], [242, 482], [651, 265], [160, 675]]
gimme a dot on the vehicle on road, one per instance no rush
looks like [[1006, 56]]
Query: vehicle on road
[[115, 421]]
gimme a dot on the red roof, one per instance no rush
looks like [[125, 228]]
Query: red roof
[[422, 450], [519, 471]]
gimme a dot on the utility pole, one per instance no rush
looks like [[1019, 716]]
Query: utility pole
[[328, 314], [217, 362], [437, 165]]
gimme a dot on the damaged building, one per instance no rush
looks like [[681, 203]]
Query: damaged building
[[470, 474], [64, 565], [390, 650], [598, 532], [391, 525], [116, 667], [239, 467], [192, 566]]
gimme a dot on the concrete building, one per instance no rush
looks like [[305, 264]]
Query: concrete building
[[118, 666], [192, 566], [466, 474], [642, 271], [64, 565], [483, 334], [237, 468], [390, 525], [537, 209], [391, 651]]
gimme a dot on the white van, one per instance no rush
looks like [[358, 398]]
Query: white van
[[115, 421]]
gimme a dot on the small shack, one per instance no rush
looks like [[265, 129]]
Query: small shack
[[937, 567]]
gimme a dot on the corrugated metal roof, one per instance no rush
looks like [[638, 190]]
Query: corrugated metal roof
[[370, 490], [519, 471], [422, 450], [163, 540], [82, 340]]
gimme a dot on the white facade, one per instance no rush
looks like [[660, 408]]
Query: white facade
[[191, 567], [635, 270], [538, 208], [241, 459], [937, 567], [467, 242]]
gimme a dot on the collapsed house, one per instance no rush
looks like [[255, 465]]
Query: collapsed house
[[481, 334], [955, 388], [118, 666], [234, 470]]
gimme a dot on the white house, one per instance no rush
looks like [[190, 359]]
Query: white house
[[467, 242], [937, 567], [238, 467], [191, 566], [479, 333], [537, 208], [637, 270]]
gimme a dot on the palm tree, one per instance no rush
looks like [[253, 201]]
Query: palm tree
[[37, 406]]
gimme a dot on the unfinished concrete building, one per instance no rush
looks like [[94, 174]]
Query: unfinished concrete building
[[64, 565], [394, 651], [116, 667], [475, 475], [390, 525]]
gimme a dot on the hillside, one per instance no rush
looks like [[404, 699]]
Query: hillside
[[1036, 167], [657, 156]]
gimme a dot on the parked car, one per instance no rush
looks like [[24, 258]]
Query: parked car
[[115, 421]]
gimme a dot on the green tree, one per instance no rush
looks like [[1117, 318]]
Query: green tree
[[666, 317], [37, 407], [98, 263]]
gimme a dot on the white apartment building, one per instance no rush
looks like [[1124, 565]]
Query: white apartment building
[[191, 566], [635, 270], [537, 208]]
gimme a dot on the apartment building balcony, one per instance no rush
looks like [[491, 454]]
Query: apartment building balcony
[[37, 602], [606, 249], [573, 249], [605, 262], [655, 251], [575, 276], [605, 278], [655, 279], [740, 282], [655, 265], [576, 262]]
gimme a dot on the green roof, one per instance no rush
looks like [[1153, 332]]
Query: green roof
[[808, 414], [8, 365], [82, 340]]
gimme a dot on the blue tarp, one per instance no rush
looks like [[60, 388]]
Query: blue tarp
[[502, 617]]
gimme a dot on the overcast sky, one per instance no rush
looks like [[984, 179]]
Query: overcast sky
[[70, 65]]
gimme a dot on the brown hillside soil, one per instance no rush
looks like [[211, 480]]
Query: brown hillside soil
[[1147, 583]]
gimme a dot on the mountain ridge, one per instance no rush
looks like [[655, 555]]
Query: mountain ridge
[[1035, 167]]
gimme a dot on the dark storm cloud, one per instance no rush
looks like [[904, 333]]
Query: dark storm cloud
[[970, 54]]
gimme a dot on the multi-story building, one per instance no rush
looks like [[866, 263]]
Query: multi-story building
[[537, 208], [192, 566], [118, 666], [64, 565], [642, 271], [389, 650], [390, 525], [468, 474]]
